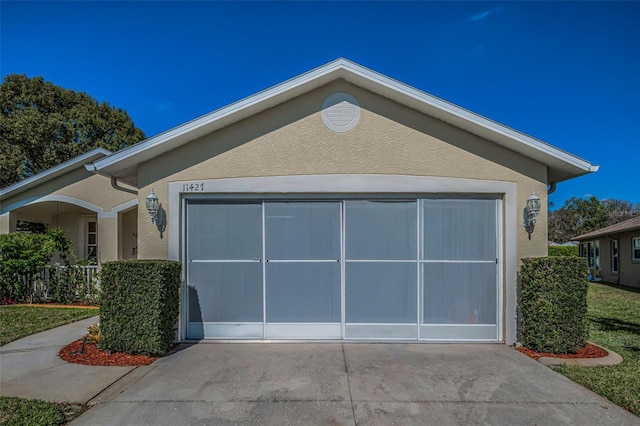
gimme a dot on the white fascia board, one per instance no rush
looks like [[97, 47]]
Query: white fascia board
[[53, 172], [468, 120], [210, 122], [511, 139]]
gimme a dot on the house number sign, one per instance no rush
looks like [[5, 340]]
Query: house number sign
[[193, 187]]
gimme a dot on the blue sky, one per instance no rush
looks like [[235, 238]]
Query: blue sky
[[567, 73]]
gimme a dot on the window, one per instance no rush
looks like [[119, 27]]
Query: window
[[585, 249], [635, 248], [92, 241], [614, 256]]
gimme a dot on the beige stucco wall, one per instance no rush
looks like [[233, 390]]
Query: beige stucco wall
[[291, 139], [92, 194], [628, 270], [128, 234], [80, 184], [8, 222]]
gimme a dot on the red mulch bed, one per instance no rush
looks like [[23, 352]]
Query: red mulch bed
[[93, 356], [588, 351]]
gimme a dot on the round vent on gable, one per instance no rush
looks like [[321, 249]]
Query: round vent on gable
[[340, 112]]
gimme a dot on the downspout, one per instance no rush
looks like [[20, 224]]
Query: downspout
[[552, 188], [114, 184], [114, 180]]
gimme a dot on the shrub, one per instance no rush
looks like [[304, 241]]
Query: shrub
[[564, 251], [94, 334], [25, 264], [23, 257], [139, 304], [553, 303]]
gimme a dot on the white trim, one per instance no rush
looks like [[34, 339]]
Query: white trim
[[500, 317], [328, 184], [63, 198], [340, 186], [562, 164], [633, 249], [386, 331], [53, 172], [302, 330], [75, 201], [125, 206]]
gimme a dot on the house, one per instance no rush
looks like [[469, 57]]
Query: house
[[340, 204], [614, 252]]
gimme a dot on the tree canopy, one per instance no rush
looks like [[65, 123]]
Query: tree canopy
[[578, 216], [42, 125]]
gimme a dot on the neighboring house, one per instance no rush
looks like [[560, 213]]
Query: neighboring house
[[614, 252], [100, 220], [340, 204]]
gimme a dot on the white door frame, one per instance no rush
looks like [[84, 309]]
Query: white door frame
[[307, 185]]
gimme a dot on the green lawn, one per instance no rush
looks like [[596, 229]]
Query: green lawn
[[19, 321], [614, 321], [23, 412]]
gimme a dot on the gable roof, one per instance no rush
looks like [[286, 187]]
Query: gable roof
[[627, 225], [561, 164], [53, 172]]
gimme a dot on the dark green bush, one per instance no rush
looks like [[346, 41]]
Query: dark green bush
[[139, 304], [564, 251], [23, 257], [553, 303]]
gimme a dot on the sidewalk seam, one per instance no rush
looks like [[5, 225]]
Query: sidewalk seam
[[346, 370], [112, 384]]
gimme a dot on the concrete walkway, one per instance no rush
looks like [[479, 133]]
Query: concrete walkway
[[307, 383], [31, 368]]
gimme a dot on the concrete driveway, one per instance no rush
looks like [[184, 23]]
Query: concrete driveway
[[346, 384]]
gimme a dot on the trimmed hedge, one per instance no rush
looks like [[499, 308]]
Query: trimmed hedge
[[553, 303], [564, 251], [139, 305]]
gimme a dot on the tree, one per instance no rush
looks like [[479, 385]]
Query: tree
[[42, 125], [620, 210], [578, 216]]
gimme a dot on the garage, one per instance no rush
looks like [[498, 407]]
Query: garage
[[418, 268], [340, 205]]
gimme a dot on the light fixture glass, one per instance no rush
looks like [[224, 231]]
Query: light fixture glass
[[533, 205], [532, 208], [152, 205]]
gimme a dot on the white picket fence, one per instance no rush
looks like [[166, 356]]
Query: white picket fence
[[43, 283]]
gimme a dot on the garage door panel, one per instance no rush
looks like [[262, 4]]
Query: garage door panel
[[228, 231], [381, 292], [459, 293], [459, 229], [225, 292], [380, 230], [381, 331], [410, 269], [477, 332], [302, 230], [303, 291]]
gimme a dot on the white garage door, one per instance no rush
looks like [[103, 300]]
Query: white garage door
[[409, 269]]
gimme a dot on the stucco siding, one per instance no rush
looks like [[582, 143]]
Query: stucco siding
[[78, 184], [291, 139], [629, 269], [605, 262]]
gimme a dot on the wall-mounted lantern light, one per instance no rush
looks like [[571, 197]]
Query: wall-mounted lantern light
[[531, 212], [152, 204]]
